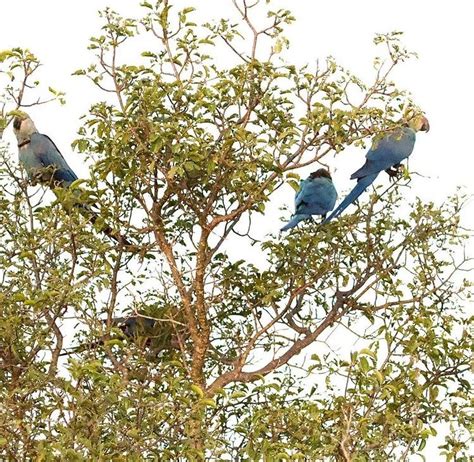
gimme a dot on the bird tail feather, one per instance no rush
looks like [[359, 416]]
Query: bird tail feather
[[294, 221], [92, 216], [359, 188]]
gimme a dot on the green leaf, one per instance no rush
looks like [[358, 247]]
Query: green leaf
[[366, 351], [208, 402], [294, 184], [364, 364], [198, 390]]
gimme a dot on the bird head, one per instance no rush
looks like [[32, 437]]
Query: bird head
[[23, 126], [419, 123], [322, 172], [416, 120]]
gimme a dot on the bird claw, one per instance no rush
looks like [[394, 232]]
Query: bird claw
[[395, 172]]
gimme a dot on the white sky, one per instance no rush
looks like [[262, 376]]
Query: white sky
[[441, 32]]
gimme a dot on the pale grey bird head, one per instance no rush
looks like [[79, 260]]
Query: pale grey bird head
[[416, 121], [23, 127], [420, 124]]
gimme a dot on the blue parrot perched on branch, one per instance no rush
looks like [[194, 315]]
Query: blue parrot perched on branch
[[156, 335], [386, 154], [133, 326], [45, 164], [316, 196]]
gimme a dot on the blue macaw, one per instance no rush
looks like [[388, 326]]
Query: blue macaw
[[135, 326], [45, 164], [316, 196], [385, 154], [156, 334], [40, 157]]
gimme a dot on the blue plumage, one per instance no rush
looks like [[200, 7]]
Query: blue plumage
[[134, 326], [316, 196], [385, 153], [44, 164]]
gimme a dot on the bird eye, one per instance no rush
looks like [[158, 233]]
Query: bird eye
[[17, 123]]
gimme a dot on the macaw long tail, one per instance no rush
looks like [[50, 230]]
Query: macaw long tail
[[106, 229], [83, 347], [359, 188], [294, 221]]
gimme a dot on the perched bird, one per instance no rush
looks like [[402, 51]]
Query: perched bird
[[154, 335], [45, 164], [135, 326], [386, 154], [137, 329], [316, 196]]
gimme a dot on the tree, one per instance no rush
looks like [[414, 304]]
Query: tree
[[186, 154]]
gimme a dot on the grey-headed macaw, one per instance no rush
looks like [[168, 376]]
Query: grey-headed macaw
[[316, 196], [386, 154], [45, 164]]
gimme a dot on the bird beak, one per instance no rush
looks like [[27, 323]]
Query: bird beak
[[17, 123], [425, 125]]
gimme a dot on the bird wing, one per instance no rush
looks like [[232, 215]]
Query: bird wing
[[46, 151], [317, 197], [387, 152], [299, 193]]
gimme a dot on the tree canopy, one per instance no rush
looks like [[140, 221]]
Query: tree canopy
[[244, 360]]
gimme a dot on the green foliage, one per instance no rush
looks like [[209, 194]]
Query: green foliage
[[191, 148], [18, 68]]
